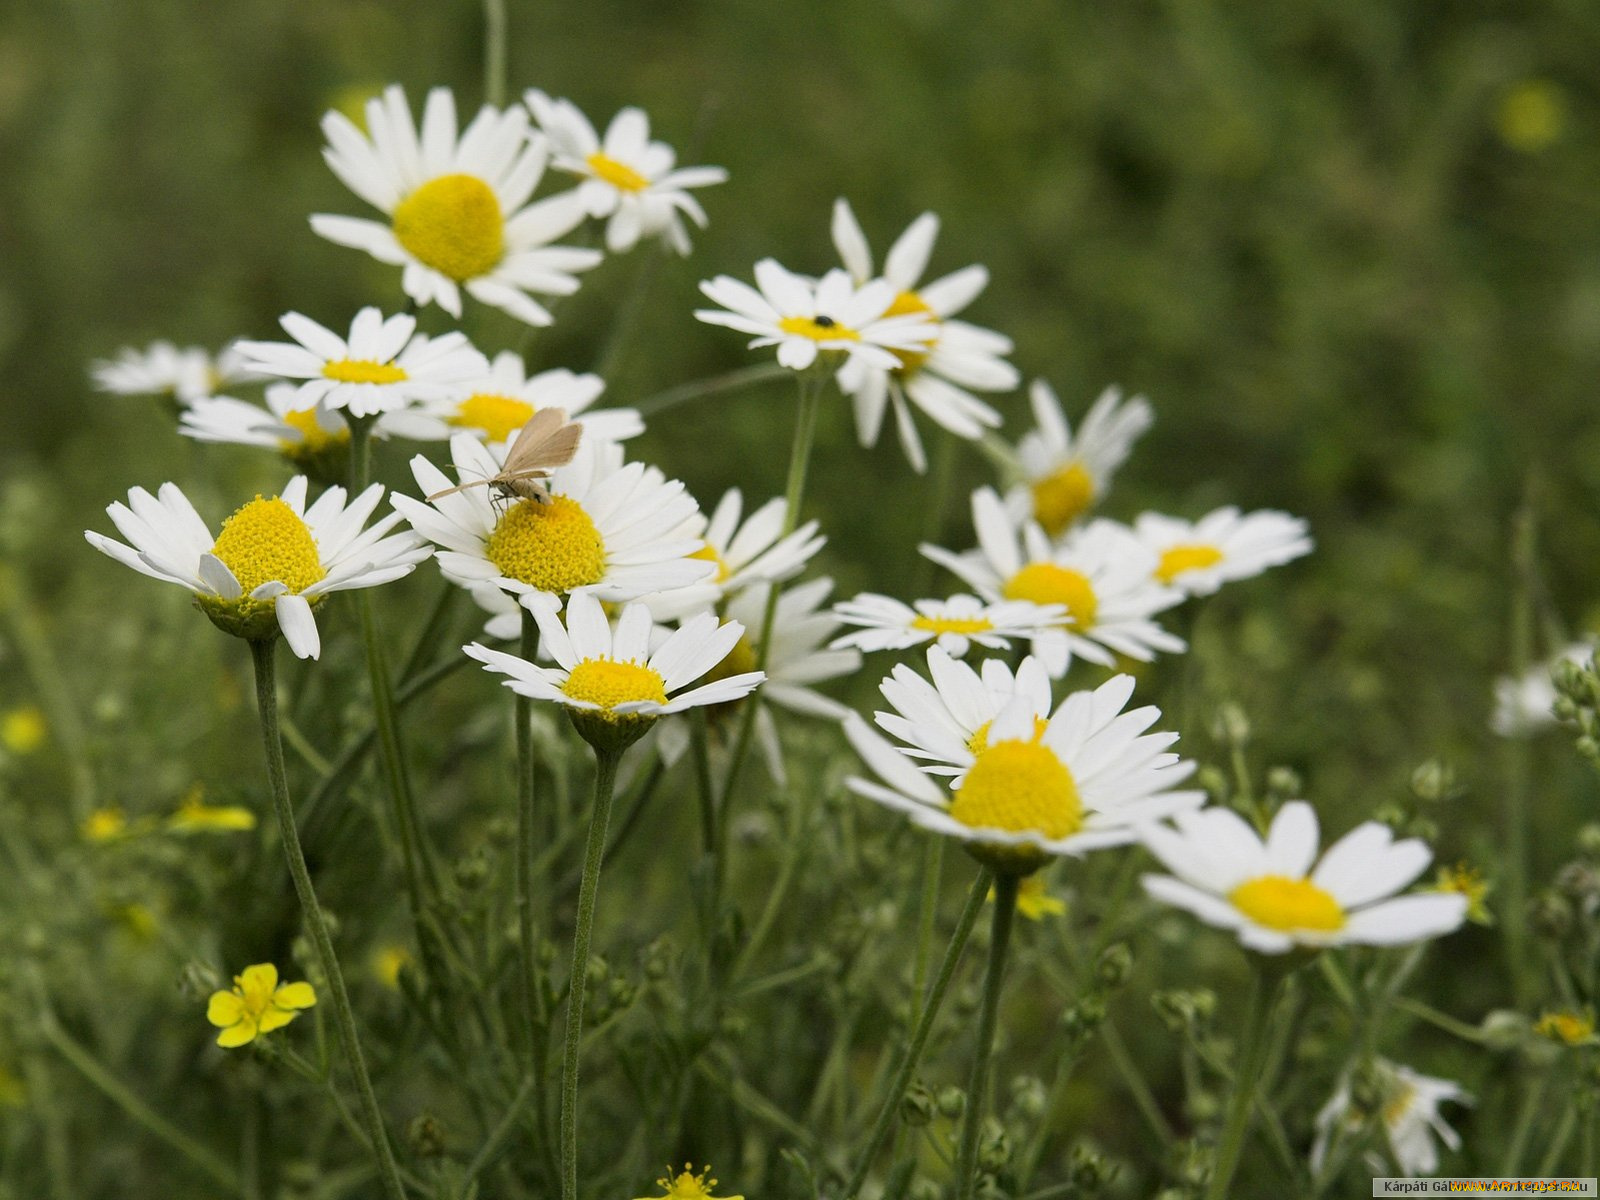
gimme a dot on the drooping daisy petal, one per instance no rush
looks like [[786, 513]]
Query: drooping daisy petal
[[1066, 475]]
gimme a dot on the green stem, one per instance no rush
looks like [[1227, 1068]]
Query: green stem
[[267, 701], [432, 631], [919, 1036], [117, 1092], [1532, 1103], [1439, 1020], [605, 781], [716, 384], [531, 1086], [494, 52], [1005, 909], [1558, 1142], [927, 910], [1515, 798], [1252, 1056]]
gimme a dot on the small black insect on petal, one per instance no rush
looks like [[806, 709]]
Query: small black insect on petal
[[825, 322]]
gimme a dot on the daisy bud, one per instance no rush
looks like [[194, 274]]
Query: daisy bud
[[952, 1102], [1550, 915], [994, 1148], [425, 1136], [1028, 1097], [1114, 966], [917, 1106]]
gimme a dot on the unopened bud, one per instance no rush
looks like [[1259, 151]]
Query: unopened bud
[[1285, 782], [1114, 966], [1230, 724], [994, 1147], [1028, 1097], [1550, 915], [952, 1101], [1433, 781], [425, 1136], [917, 1106]]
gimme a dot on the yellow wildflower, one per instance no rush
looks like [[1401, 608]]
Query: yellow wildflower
[[196, 816], [387, 963], [104, 825], [1034, 901], [1468, 881], [23, 729], [686, 1185], [256, 1005], [1531, 115], [1568, 1026]]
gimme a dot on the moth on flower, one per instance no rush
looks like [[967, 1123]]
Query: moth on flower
[[546, 442]]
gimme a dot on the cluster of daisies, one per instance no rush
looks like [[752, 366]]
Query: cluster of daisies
[[645, 606]]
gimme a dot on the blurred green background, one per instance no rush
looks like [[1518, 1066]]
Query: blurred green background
[[1349, 250]]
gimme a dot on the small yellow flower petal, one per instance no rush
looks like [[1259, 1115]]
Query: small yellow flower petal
[[259, 980], [276, 1018], [241, 1034], [225, 1009], [294, 995], [23, 729]]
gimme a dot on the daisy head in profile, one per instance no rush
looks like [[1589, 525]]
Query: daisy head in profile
[[957, 624], [807, 318], [1277, 894], [384, 365], [314, 440], [1064, 474], [184, 373], [272, 563], [1198, 557], [628, 180], [956, 360], [1025, 782], [1407, 1107], [459, 214], [608, 678]]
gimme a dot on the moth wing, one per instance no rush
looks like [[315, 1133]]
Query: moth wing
[[559, 448], [525, 451]]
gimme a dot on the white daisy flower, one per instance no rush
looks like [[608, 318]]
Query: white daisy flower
[[940, 376], [380, 368], [1104, 578], [1025, 782], [1409, 1112], [1198, 557], [185, 373], [803, 317], [1268, 892], [1525, 705], [500, 401], [612, 673], [272, 562], [957, 623], [606, 528], [313, 439], [1065, 476], [744, 555], [627, 177], [458, 209]]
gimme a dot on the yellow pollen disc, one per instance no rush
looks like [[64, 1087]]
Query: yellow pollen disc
[[265, 541], [1278, 902], [979, 741], [1060, 499], [1019, 787], [618, 174], [1573, 1028], [608, 683], [908, 304], [819, 329], [498, 416], [363, 370], [313, 437], [1176, 561], [454, 225], [937, 625], [552, 546], [1046, 583], [708, 553]]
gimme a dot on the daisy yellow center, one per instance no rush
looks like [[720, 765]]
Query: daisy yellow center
[[1278, 902], [909, 304], [979, 741], [818, 329], [552, 546], [608, 683], [618, 174], [1019, 787], [313, 437], [454, 225], [1176, 561], [1046, 583], [265, 541], [363, 370], [708, 553], [938, 625], [497, 416], [1061, 498]]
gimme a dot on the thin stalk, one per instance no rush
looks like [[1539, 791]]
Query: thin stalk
[[141, 1113], [1532, 1103], [1252, 1056], [491, 1147], [494, 52], [632, 304], [1005, 910], [1558, 1142], [715, 385], [1524, 556], [432, 631], [605, 781], [267, 701], [927, 909], [919, 1035]]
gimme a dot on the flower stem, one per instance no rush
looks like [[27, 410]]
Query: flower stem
[[927, 1014], [1005, 909], [372, 1118], [932, 869], [494, 52], [1251, 1058], [605, 781], [696, 388], [1524, 559]]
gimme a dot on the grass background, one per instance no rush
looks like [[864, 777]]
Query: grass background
[[1349, 250]]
